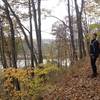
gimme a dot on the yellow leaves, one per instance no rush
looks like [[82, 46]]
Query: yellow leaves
[[8, 86], [30, 86], [17, 73], [8, 77], [18, 93], [8, 82], [47, 68]]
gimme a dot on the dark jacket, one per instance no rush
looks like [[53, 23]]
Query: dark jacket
[[94, 48]]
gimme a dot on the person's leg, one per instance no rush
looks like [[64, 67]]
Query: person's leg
[[95, 67], [93, 64]]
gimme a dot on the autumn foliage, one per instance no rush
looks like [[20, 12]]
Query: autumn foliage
[[31, 87]]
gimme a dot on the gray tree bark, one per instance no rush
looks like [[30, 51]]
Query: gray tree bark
[[82, 51]]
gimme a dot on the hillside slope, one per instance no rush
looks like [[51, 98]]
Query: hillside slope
[[77, 84]]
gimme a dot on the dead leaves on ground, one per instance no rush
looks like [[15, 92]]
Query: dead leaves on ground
[[77, 86]]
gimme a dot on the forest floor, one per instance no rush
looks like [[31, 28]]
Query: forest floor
[[77, 84]]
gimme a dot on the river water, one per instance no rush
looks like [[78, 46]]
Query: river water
[[21, 63]]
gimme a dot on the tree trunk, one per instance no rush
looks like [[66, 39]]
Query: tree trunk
[[31, 36], [3, 58], [80, 30], [13, 48], [39, 32], [22, 29], [38, 29], [71, 33]]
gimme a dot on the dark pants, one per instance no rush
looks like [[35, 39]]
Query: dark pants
[[93, 64]]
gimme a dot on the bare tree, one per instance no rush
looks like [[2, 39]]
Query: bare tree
[[31, 36], [37, 22], [13, 48], [82, 51], [71, 32], [2, 50], [24, 33]]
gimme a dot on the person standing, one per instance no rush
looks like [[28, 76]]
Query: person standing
[[94, 53]]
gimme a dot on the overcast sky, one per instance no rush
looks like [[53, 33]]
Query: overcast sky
[[58, 9]]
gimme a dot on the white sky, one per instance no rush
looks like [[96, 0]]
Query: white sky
[[58, 10]]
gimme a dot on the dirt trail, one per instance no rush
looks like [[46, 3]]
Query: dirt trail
[[78, 86]]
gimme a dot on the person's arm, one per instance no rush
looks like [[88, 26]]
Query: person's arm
[[96, 48], [91, 53]]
